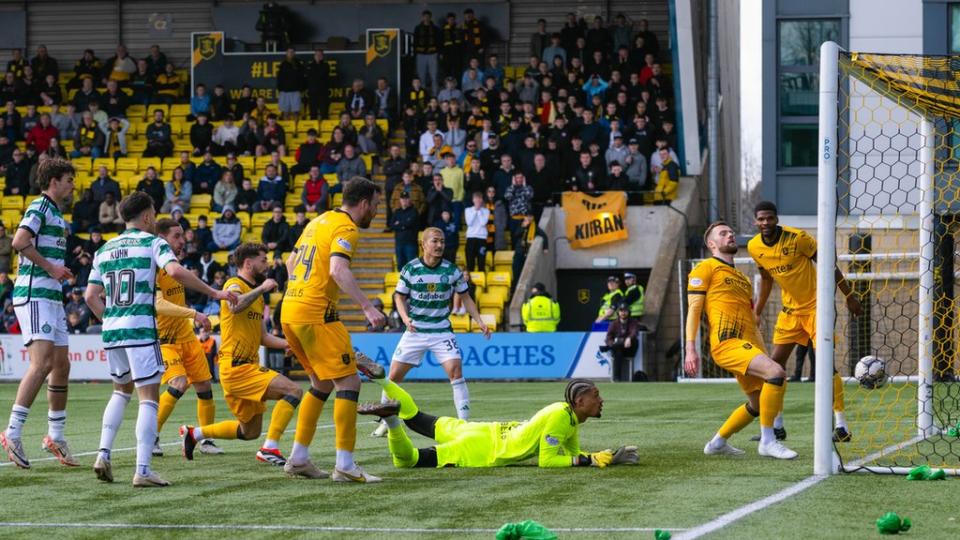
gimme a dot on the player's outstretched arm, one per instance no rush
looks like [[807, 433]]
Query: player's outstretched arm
[[341, 273], [167, 308], [691, 363], [271, 341], [191, 281]]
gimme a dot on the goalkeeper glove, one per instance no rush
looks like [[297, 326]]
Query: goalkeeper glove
[[601, 459], [626, 455]]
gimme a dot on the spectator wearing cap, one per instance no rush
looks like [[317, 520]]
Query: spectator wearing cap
[[610, 300], [405, 222], [427, 40], [76, 305], [541, 313], [621, 341], [225, 138], [633, 295], [308, 155], [616, 152]]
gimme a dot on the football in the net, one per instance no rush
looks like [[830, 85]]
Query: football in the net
[[871, 371]]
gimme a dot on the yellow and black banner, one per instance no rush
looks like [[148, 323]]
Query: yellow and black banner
[[595, 219], [212, 65]]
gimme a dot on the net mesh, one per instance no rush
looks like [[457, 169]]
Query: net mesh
[[883, 100]]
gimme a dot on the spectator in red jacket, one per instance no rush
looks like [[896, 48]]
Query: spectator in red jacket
[[315, 191], [39, 136]]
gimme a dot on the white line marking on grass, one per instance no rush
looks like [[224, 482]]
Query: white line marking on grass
[[780, 496], [308, 528], [133, 448]]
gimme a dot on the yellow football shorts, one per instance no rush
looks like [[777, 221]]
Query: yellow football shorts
[[323, 350], [185, 360], [244, 387], [793, 327], [734, 356]]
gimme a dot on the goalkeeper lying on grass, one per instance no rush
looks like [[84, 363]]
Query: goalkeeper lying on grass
[[552, 435]]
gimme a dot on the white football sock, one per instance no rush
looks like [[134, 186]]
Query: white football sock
[[18, 417], [56, 422], [766, 435], [461, 398], [146, 434], [345, 460], [271, 444], [112, 418], [778, 421], [840, 419], [392, 421], [300, 454], [717, 441], [197, 434]]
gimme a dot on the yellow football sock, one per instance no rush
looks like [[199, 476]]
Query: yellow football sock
[[837, 393], [282, 413], [310, 409], [408, 408], [206, 411], [738, 419], [404, 454], [168, 400], [771, 402], [345, 419], [221, 430]]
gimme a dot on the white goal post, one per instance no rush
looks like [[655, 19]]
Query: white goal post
[[826, 461]]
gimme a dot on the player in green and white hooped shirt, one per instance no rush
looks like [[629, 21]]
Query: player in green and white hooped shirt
[[38, 301], [424, 298], [125, 271]]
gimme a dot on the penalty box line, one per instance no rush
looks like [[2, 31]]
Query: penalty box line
[[312, 528]]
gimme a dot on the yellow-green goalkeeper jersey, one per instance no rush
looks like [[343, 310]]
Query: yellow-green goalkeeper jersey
[[552, 436]]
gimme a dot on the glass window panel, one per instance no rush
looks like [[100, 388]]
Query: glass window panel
[[955, 28], [800, 40], [798, 145], [798, 94]]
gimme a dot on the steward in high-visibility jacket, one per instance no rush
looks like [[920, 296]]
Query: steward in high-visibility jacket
[[541, 313], [613, 297], [633, 295]]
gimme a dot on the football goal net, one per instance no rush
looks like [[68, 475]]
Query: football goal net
[[888, 217]]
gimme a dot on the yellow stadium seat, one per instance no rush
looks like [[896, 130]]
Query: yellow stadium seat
[[390, 281], [259, 219], [221, 256], [10, 218], [158, 107], [182, 145], [460, 323], [503, 258], [155, 162], [490, 300], [135, 147], [244, 218], [177, 128], [499, 279], [250, 237], [84, 164], [11, 202], [337, 200], [168, 164], [127, 164], [192, 219], [201, 201], [494, 313], [387, 299], [110, 235], [179, 110], [248, 163], [327, 126], [489, 319], [289, 126], [136, 112], [109, 163], [479, 279], [368, 161]]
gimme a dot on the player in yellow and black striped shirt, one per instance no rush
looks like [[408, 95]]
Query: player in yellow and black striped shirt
[[721, 290], [788, 256]]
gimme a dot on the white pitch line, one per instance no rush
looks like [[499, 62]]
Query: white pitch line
[[133, 448], [780, 496], [310, 528]]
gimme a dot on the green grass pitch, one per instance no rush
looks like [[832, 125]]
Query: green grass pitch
[[674, 486]]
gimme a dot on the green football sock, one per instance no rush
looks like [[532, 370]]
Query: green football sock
[[404, 454], [408, 408]]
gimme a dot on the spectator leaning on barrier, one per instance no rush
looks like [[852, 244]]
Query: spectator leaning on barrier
[[621, 342], [610, 300], [540, 313]]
